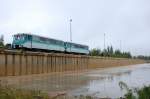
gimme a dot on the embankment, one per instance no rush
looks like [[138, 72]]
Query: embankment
[[17, 63], [105, 62]]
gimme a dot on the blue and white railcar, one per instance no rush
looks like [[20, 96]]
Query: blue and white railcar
[[76, 48], [23, 40]]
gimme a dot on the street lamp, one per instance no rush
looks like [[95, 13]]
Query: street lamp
[[104, 41], [70, 30], [104, 46], [70, 34]]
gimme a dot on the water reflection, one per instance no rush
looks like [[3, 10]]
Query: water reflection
[[49, 82], [101, 82]]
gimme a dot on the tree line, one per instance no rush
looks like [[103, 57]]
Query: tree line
[[110, 52], [142, 57]]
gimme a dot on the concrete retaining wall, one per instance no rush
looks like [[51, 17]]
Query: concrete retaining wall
[[15, 63]]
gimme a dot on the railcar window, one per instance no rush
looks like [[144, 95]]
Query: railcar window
[[58, 43], [35, 38], [29, 37], [47, 40], [80, 46], [52, 41], [24, 36], [15, 37], [42, 39], [18, 37]]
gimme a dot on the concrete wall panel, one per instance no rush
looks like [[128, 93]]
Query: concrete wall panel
[[3, 57], [10, 65]]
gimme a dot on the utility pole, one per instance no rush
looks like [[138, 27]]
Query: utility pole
[[70, 34], [70, 30], [104, 46], [104, 41], [120, 46]]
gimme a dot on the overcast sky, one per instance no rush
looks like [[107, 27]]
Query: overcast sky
[[125, 21]]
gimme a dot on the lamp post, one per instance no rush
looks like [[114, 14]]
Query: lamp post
[[104, 46], [70, 34], [120, 46], [104, 41], [70, 30]]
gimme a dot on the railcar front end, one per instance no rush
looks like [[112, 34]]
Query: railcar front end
[[19, 40], [37, 42]]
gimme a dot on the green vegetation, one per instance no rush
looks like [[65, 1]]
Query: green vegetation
[[143, 93], [110, 52], [1, 41], [12, 93], [135, 93], [143, 57], [83, 97], [1, 44]]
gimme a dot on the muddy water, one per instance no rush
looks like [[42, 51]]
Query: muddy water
[[99, 82]]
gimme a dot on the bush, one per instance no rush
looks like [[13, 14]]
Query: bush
[[143, 93]]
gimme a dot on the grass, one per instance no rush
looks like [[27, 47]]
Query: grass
[[7, 92], [143, 93], [136, 93]]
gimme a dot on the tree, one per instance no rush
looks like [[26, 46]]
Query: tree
[[95, 52], [117, 53], [1, 41], [110, 52]]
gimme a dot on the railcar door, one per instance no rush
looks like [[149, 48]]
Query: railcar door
[[30, 40]]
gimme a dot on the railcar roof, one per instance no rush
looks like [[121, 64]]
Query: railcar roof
[[38, 36], [50, 38], [78, 44]]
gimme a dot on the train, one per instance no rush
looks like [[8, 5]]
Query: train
[[35, 42]]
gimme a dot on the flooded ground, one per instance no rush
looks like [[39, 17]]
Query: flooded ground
[[99, 82]]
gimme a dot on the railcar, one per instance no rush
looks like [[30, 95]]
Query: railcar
[[29, 41], [76, 48]]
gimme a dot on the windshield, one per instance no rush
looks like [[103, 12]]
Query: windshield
[[19, 37]]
